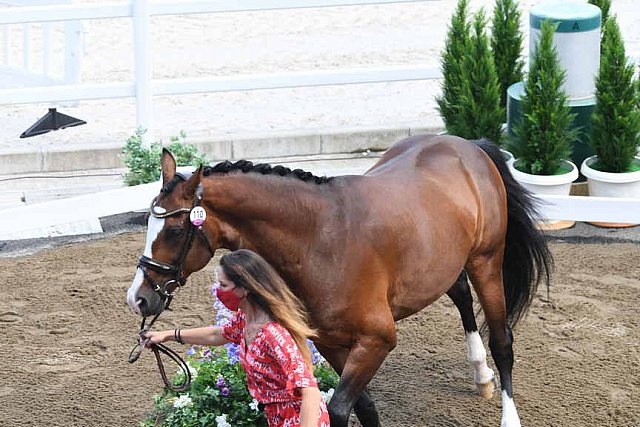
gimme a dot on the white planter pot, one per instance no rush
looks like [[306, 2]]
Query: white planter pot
[[546, 184], [508, 157], [607, 184]]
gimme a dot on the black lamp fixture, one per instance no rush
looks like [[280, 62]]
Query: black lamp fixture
[[51, 121]]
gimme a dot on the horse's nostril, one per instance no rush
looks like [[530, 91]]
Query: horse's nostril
[[143, 305]]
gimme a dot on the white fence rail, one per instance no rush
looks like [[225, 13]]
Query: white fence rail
[[24, 73], [590, 209], [143, 88]]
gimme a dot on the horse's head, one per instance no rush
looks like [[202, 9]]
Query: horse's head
[[181, 239]]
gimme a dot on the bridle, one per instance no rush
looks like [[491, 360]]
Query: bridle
[[169, 288]]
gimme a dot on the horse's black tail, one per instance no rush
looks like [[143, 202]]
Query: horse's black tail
[[527, 260]]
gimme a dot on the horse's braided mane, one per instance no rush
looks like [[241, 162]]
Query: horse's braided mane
[[246, 166]]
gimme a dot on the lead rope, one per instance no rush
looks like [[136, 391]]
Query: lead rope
[[157, 349]]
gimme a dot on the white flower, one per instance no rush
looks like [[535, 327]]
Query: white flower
[[326, 396], [221, 421], [183, 401], [254, 405], [192, 370]]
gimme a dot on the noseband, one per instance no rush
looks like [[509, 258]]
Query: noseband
[[169, 288]]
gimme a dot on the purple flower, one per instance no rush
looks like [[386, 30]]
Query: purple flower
[[233, 353], [191, 351], [316, 357], [225, 391], [220, 382]]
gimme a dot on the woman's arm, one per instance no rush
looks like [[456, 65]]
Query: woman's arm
[[310, 409], [207, 335]]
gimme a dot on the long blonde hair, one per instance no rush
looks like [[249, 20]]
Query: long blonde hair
[[270, 292]]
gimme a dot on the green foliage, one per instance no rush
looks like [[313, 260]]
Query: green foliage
[[544, 136], [615, 134], [506, 44], [144, 162], [479, 112], [218, 394], [604, 6], [455, 48]]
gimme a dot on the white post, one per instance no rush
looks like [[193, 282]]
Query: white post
[[7, 45], [143, 72], [46, 49], [72, 52], [26, 47]]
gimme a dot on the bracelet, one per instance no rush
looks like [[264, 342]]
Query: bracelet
[[177, 337]]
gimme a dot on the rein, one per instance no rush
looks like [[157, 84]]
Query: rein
[[157, 349]]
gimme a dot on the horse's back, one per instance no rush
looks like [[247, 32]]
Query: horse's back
[[429, 152], [434, 164]]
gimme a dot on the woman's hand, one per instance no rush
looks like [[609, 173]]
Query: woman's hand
[[157, 337]]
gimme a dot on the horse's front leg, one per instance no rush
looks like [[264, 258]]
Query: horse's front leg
[[364, 407], [365, 357]]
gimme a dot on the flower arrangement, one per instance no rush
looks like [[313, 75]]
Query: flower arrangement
[[218, 395]]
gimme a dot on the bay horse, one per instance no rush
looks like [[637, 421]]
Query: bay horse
[[363, 252]]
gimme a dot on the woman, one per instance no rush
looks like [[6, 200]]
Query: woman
[[270, 326]]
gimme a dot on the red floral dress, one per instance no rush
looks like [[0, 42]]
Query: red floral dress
[[275, 370]]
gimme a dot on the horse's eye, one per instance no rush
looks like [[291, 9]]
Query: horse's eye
[[175, 231]]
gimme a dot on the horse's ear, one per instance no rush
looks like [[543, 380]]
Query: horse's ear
[[168, 166], [192, 183]]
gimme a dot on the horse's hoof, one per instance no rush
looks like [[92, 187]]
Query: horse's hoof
[[486, 390]]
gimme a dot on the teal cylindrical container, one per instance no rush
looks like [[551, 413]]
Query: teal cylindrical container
[[577, 40]]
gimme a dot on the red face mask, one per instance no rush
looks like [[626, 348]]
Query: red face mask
[[229, 299]]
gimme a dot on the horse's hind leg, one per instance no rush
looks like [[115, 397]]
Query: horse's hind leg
[[483, 376], [485, 272]]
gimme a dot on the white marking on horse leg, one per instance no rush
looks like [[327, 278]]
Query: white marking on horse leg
[[477, 358], [154, 226], [510, 416]]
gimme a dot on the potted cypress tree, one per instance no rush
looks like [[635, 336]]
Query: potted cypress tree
[[480, 113], [543, 138], [455, 48], [506, 44], [615, 137], [470, 100]]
